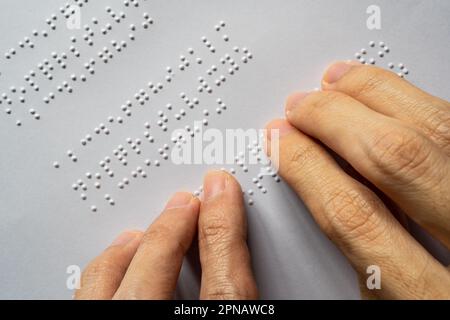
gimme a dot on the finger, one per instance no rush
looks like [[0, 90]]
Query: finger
[[154, 270], [356, 220], [389, 94], [401, 162], [103, 275], [224, 255]]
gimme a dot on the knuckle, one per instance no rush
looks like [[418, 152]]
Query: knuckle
[[301, 158], [223, 294], [214, 232], [438, 127], [402, 155], [368, 80], [352, 214], [221, 288]]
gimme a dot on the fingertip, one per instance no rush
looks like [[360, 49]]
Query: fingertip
[[293, 100], [217, 181], [278, 127], [336, 71], [274, 131], [180, 200]]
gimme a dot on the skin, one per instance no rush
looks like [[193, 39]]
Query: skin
[[393, 145]]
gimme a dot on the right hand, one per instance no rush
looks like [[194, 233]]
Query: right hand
[[395, 140]]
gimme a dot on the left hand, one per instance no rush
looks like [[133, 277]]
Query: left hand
[[147, 265]]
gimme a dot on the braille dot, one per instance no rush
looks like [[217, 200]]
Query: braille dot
[[372, 44], [83, 196], [93, 208], [363, 51], [250, 202]]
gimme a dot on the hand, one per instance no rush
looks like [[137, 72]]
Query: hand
[[395, 140], [146, 265]]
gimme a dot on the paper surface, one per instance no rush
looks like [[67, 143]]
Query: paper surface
[[282, 46]]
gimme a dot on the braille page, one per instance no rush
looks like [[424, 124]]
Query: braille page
[[98, 98]]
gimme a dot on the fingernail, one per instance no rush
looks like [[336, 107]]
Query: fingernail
[[214, 184], [124, 238], [278, 127], [337, 70], [179, 200], [294, 100]]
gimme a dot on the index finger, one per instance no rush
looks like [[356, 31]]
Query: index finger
[[154, 270]]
